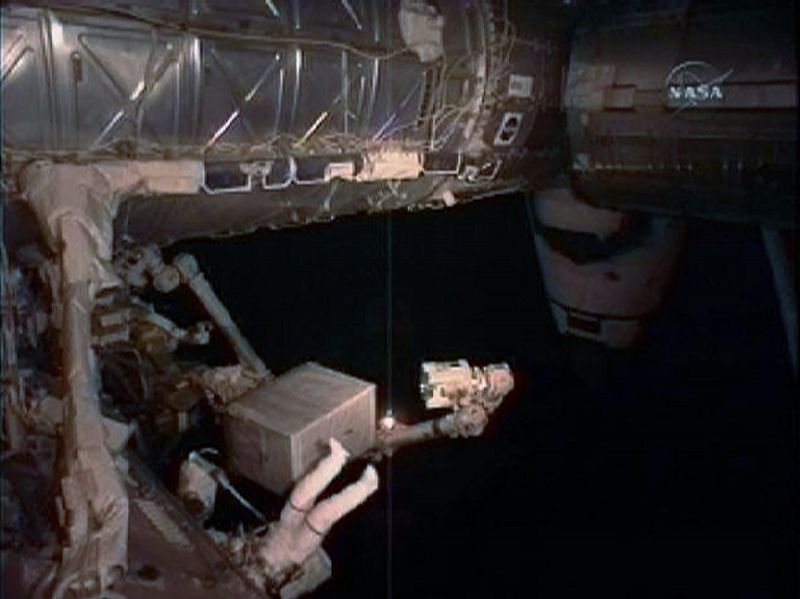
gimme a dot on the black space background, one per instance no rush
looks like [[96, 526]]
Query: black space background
[[668, 472]]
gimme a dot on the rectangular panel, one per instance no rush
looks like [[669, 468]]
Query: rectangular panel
[[242, 94], [338, 20], [124, 84], [401, 88], [26, 117], [276, 433]]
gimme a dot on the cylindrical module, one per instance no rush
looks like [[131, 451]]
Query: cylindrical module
[[690, 111], [605, 271]]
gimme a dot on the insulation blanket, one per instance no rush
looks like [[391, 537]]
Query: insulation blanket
[[75, 206]]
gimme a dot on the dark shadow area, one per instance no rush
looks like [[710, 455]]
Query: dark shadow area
[[669, 471]]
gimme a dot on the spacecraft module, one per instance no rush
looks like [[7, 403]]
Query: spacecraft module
[[129, 126]]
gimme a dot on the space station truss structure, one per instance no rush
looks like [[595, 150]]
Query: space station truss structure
[[300, 110]]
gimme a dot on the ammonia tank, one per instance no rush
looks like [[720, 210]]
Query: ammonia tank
[[286, 100]]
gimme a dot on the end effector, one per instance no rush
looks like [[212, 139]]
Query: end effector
[[457, 385], [471, 393]]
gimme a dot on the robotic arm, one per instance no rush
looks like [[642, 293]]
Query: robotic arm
[[471, 394]]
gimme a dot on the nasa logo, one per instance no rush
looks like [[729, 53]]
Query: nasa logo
[[694, 84]]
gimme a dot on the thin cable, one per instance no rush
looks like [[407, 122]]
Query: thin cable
[[389, 311], [389, 406]]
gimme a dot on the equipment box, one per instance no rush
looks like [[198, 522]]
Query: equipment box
[[277, 432]]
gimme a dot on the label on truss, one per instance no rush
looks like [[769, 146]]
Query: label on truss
[[520, 86]]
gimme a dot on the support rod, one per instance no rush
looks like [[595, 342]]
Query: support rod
[[785, 287], [190, 273]]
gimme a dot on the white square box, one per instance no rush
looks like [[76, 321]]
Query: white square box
[[277, 432]]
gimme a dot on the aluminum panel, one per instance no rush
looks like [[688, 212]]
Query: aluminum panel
[[125, 85], [102, 80], [400, 90], [241, 94], [26, 115], [348, 20], [268, 13], [321, 92]]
